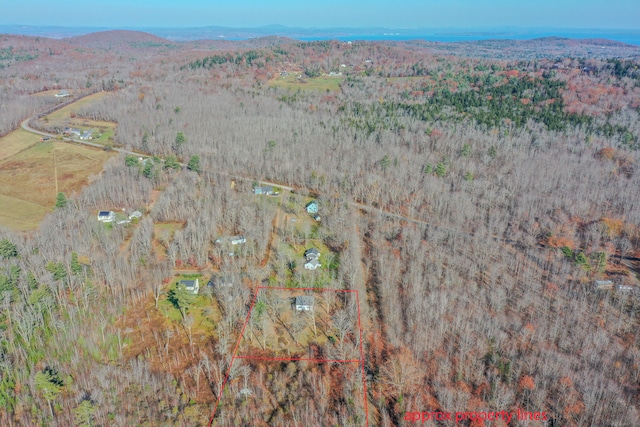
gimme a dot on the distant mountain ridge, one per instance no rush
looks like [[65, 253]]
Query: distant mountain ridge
[[340, 33], [117, 38], [497, 48]]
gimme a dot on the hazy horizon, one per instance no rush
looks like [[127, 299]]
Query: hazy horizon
[[410, 14], [440, 34]]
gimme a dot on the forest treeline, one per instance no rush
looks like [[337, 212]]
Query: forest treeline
[[473, 203]]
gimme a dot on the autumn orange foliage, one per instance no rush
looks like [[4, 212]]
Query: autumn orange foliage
[[560, 242], [527, 383], [607, 153], [613, 226]]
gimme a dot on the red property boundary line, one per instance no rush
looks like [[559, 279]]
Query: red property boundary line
[[246, 321]]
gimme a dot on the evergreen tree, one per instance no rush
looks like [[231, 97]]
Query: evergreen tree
[[61, 200], [8, 249], [147, 171], [385, 162], [180, 139], [57, 269], [131, 161], [76, 267], [145, 142], [181, 298], [194, 164], [441, 169], [171, 162], [83, 414]]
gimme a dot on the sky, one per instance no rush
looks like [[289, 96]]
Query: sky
[[570, 14]]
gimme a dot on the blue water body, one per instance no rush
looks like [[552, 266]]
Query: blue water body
[[632, 38]]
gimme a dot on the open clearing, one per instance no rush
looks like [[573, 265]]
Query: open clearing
[[19, 214], [316, 83], [66, 117], [65, 112], [29, 179], [15, 142]]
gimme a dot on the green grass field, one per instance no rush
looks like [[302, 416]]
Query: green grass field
[[291, 81], [203, 310]]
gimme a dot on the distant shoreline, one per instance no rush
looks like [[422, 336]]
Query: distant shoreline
[[631, 37]]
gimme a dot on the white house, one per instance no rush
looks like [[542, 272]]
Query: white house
[[312, 264], [266, 190], [235, 240], [106, 216], [190, 285], [72, 132]]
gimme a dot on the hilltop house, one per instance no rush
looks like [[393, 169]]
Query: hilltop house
[[304, 303], [135, 214], [191, 285], [62, 94], [86, 135], [106, 216]]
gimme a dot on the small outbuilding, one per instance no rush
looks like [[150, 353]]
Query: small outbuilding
[[304, 303]]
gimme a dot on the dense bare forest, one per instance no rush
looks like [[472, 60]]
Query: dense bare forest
[[487, 212]]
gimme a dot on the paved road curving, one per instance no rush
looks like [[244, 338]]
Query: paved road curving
[[25, 126]]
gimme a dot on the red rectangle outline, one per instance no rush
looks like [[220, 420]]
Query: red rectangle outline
[[246, 321]]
